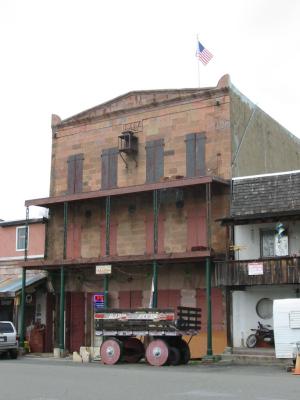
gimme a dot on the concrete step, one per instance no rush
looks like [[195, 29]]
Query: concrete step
[[260, 351], [256, 356]]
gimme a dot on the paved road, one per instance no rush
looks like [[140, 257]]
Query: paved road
[[46, 379]]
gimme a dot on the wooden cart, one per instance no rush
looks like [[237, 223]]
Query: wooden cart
[[155, 334]]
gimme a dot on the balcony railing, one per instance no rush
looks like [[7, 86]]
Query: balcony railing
[[279, 270]]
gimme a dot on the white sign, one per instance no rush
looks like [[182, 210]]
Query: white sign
[[103, 269], [255, 268]]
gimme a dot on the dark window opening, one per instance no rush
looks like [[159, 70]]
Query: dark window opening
[[154, 160]]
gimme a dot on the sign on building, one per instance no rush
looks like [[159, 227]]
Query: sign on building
[[103, 269], [255, 268]]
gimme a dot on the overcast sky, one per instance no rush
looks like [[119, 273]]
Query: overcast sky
[[64, 56]]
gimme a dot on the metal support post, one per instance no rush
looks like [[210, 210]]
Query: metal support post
[[62, 311], [107, 246], [154, 284], [65, 230], [23, 291], [62, 285], [107, 225], [106, 280], [208, 214], [155, 247], [208, 305], [22, 317]]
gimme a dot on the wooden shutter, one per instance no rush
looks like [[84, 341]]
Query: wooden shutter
[[195, 154], [109, 168], [154, 160], [71, 174], [130, 299], [218, 312], [78, 173], [196, 227], [168, 298], [75, 173]]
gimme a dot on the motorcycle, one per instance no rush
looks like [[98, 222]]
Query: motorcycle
[[263, 333]]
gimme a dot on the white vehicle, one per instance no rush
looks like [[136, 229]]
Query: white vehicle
[[8, 339], [286, 317]]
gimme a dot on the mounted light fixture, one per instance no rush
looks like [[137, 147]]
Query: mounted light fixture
[[128, 144]]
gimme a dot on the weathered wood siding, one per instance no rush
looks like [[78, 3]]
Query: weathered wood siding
[[276, 271]]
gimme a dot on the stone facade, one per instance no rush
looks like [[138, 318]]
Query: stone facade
[[227, 141]]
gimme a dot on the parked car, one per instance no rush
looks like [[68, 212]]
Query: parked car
[[8, 339]]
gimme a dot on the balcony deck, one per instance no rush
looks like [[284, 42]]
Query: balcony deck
[[276, 271]]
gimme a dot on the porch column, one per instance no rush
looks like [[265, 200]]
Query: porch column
[[62, 311], [23, 290], [62, 285], [22, 316], [107, 246], [155, 248], [208, 306]]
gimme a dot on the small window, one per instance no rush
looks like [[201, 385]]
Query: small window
[[271, 245], [21, 238]]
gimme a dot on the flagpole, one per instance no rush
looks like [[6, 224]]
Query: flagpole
[[198, 64]]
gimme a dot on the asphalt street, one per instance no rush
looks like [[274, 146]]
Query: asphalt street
[[49, 379]]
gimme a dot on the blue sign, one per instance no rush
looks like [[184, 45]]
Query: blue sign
[[98, 300]]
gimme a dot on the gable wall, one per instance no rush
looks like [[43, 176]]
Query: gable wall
[[259, 143], [170, 123]]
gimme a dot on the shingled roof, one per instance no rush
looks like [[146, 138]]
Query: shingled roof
[[266, 195]]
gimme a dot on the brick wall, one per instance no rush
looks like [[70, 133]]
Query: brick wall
[[169, 122]]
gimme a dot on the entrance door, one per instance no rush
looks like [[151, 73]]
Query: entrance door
[[75, 321]]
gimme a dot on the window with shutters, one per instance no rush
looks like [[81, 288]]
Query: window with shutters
[[75, 170], [154, 160], [195, 154], [109, 168]]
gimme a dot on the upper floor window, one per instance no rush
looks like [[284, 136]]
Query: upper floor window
[[21, 238], [273, 245], [75, 171], [154, 160], [109, 168], [195, 154]]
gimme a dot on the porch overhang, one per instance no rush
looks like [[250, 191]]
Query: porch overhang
[[192, 256], [11, 287], [167, 184], [258, 218]]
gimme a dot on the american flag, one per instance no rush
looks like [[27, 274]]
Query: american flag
[[203, 54]]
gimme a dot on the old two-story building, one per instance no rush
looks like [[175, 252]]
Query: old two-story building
[[14, 246], [265, 221], [139, 183]]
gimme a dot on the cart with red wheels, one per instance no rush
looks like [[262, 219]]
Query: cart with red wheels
[[153, 334]]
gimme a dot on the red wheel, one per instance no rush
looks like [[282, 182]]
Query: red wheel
[[157, 352], [111, 351], [133, 350]]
